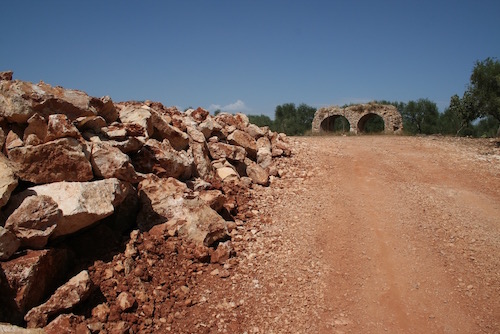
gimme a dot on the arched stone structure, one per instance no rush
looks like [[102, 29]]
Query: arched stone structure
[[357, 115]]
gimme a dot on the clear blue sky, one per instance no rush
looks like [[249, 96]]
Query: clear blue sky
[[251, 56]]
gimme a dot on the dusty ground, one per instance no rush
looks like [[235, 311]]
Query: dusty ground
[[366, 234]]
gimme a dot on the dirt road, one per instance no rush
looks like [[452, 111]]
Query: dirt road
[[375, 234]]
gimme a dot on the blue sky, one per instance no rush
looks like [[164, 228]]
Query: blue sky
[[251, 56]]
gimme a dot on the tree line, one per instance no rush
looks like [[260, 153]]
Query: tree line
[[476, 113]]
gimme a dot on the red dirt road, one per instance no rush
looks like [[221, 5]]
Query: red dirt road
[[376, 234]]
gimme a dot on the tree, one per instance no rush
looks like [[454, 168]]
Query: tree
[[261, 120], [484, 88], [292, 120], [465, 109], [420, 117]]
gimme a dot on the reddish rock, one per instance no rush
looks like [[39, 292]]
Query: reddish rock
[[162, 159], [34, 221], [164, 130], [258, 174], [59, 126], [36, 132], [65, 323], [254, 131], [8, 180], [221, 150], [223, 252], [203, 167], [13, 140], [163, 200], [93, 123], [76, 290], [9, 243], [109, 162], [209, 126], [101, 312], [139, 116], [30, 277], [244, 140], [214, 198], [21, 100], [60, 160], [125, 301]]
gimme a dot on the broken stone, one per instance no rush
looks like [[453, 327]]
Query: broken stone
[[8, 243], [59, 126], [64, 323], [202, 163], [243, 139], [30, 277], [12, 329], [8, 180], [138, 116], [20, 100], [125, 301], [221, 150], [76, 290], [34, 221], [109, 162], [209, 126], [254, 131], [93, 123], [161, 123], [214, 198], [59, 160], [163, 160], [36, 132], [164, 200], [222, 253], [82, 203], [226, 172], [258, 174], [13, 140]]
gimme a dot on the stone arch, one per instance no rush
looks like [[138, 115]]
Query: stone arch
[[367, 118], [328, 124], [393, 122]]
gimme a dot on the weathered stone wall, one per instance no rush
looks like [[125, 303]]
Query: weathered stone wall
[[357, 116]]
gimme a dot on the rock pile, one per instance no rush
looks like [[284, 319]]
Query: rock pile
[[70, 163]]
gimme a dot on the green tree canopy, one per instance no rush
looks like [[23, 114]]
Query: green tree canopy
[[293, 120], [420, 117], [482, 97]]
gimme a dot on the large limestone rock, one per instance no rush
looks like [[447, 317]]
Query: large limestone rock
[[170, 201], [20, 100], [109, 162], [59, 160], [82, 203], [34, 221], [9, 243], [163, 160], [76, 290], [8, 180], [244, 140], [29, 278]]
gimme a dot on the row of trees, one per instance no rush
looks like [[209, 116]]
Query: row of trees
[[476, 113]]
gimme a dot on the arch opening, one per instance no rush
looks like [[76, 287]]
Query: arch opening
[[371, 123], [335, 124]]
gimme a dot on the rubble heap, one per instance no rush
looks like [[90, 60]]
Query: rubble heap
[[77, 170]]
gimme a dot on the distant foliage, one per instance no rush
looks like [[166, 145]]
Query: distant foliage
[[261, 120], [293, 120]]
